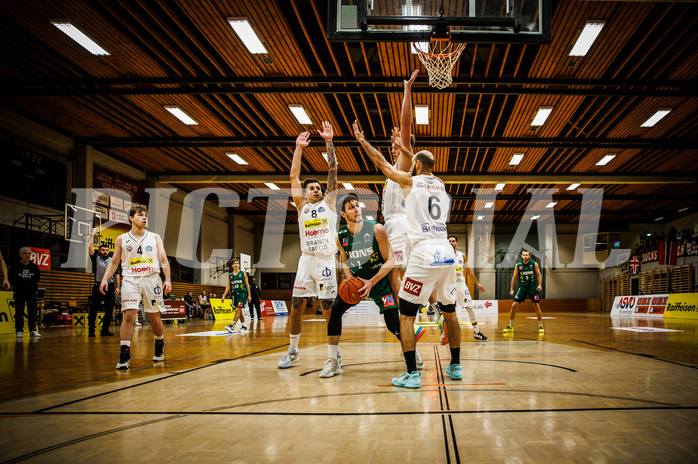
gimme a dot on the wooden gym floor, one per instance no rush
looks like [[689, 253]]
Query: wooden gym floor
[[591, 389]]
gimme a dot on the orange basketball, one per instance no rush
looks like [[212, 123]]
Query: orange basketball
[[349, 290]]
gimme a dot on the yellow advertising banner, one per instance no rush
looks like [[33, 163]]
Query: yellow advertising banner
[[682, 306], [222, 311], [7, 314]]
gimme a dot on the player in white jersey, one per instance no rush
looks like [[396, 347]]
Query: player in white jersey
[[463, 297], [431, 261], [317, 224], [142, 256]]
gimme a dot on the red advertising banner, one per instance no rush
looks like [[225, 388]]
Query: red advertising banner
[[41, 257], [174, 309], [267, 308]]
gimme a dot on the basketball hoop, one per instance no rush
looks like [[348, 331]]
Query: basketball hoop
[[439, 60]]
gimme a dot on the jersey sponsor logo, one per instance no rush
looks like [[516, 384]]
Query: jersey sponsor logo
[[129, 248], [425, 227], [412, 287], [367, 237], [345, 241], [240, 304], [149, 248], [439, 259], [537, 297], [398, 255], [388, 300], [321, 209], [520, 268], [305, 210], [157, 290], [138, 270], [296, 287], [312, 233], [459, 269], [316, 223], [327, 272], [141, 260], [361, 253]]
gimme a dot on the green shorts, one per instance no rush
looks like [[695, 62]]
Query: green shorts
[[239, 300], [522, 293], [382, 295]]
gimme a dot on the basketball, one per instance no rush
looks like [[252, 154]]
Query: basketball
[[349, 290]]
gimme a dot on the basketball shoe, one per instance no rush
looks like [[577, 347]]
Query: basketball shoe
[[508, 329], [124, 358], [331, 368], [291, 357], [408, 380], [541, 330], [159, 354], [455, 371], [479, 336]]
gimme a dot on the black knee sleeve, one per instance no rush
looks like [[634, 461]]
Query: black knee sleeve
[[392, 321], [448, 308], [409, 309], [334, 325]]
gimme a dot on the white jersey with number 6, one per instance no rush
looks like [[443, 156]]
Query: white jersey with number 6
[[428, 207], [318, 229], [139, 257]]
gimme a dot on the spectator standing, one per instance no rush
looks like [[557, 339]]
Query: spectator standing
[[100, 261], [254, 305], [24, 278]]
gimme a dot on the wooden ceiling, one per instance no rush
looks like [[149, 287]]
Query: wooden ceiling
[[184, 53]]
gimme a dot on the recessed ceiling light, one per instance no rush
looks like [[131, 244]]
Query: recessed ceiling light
[[293, 203], [370, 218], [243, 29], [683, 209], [362, 204], [606, 159], [659, 218], [77, 35], [591, 31], [181, 115], [551, 204], [272, 186], [348, 186], [421, 114], [235, 157], [499, 186], [516, 159], [542, 115], [573, 186], [300, 114], [480, 218], [489, 204], [415, 10], [656, 117], [533, 218]]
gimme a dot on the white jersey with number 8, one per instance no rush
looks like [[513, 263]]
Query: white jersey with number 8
[[428, 207], [318, 229], [139, 257]]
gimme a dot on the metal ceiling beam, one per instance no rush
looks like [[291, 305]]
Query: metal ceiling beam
[[488, 178], [518, 212], [424, 142], [343, 90]]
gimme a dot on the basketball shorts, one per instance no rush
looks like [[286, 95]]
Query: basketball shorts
[[382, 295], [148, 287], [239, 300], [396, 227], [522, 293], [431, 265], [316, 277], [463, 297]]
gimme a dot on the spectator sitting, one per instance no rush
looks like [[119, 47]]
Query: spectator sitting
[[204, 304], [189, 305]]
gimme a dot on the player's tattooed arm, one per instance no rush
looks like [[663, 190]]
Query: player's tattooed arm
[[327, 134]]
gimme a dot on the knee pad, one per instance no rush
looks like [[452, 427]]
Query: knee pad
[[448, 308], [392, 321], [334, 325], [409, 309]]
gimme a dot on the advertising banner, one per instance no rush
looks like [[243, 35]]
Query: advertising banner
[[641, 305], [682, 306], [222, 311], [41, 257], [174, 309]]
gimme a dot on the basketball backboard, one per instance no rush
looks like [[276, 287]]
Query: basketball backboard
[[79, 223], [513, 21]]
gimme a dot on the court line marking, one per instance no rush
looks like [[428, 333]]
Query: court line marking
[[650, 356], [448, 384]]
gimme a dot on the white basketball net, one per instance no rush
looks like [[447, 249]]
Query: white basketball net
[[439, 60]]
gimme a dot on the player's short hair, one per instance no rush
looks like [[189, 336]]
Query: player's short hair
[[103, 245], [453, 237], [348, 198], [310, 180], [137, 208], [426, 158], [232, 260]]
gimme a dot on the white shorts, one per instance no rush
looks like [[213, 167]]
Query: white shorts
[[148, 287], [396, 227], [316, 277], [431, 265], [463, 297]]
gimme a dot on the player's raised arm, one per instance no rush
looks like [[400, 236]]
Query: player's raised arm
[[331, 192], [303, 140], [403, 162], [401, 177]]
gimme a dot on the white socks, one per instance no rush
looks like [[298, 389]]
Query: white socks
[[332, 351], [294, 342]]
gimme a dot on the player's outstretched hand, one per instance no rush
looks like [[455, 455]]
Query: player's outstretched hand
[[303, 139], [397, 141], [359, 134], [327, 132], [414, 75], [480, 287]]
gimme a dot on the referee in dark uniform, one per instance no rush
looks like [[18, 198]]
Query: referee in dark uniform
[[100, 261]]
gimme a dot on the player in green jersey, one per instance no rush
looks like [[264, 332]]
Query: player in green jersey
[[366, 253], [528, 274], [239, 289]]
